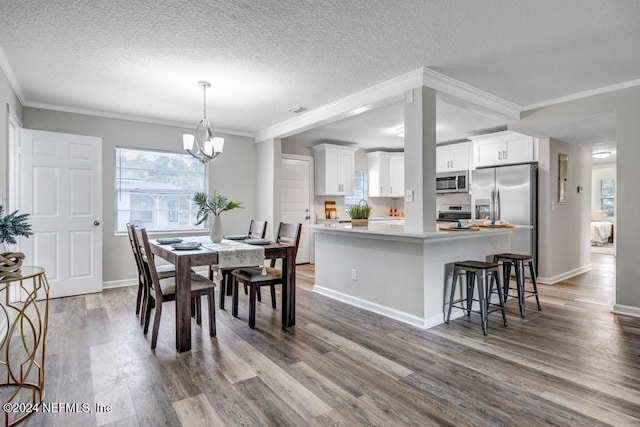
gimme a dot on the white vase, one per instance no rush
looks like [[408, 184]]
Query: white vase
[[216, 229]]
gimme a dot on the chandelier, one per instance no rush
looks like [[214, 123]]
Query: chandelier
[[205, 145]]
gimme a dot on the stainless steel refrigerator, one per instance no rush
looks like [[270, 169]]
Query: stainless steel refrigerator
[[511, 193]]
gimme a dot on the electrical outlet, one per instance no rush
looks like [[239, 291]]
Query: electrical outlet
[[408, 197], [354, 274]]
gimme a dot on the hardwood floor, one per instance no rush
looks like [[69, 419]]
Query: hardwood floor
[[574, 363]]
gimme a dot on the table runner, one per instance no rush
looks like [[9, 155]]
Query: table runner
[[236, 253]]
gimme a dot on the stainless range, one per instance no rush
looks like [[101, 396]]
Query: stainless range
[[452, 213]]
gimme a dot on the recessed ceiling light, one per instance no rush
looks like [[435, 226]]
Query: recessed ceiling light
[[296, 109], [601, 154]]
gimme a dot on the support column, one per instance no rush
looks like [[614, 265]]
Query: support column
[[420, 160], [268, 164]]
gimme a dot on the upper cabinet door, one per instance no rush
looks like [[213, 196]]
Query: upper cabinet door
[[334, 170], [452, 158], [396, 174], [503, 148]]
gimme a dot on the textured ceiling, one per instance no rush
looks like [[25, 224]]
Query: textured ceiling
[[143, 58]]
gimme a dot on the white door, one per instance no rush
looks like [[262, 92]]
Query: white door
[[60, 187], [295, 199]]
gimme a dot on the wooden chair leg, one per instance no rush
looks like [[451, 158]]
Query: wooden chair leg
[[273, 296], [234, 298], [211, 299], [223, 293], [147, 316], [198, 310], [252, 306], [156, 326], [139, 297], [259, 294]]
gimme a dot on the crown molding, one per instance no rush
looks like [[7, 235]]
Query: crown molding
[[384, 93], [446, 84], [131, 118], [13, 81], [350, 105], [585, 94]]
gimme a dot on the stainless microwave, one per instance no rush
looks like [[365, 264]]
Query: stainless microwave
[[452, 182]]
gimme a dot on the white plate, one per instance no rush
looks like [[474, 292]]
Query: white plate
[[258, 241], [235, 236], [168, 240], [186, 246]]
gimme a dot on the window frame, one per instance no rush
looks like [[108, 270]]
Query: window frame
[[611, 198], [118, 179]]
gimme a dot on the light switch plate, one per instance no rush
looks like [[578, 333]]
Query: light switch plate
[[408, 197]]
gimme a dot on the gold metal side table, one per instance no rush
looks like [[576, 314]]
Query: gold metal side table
[[23, 332]]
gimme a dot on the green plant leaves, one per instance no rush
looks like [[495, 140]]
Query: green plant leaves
[[215, 203]]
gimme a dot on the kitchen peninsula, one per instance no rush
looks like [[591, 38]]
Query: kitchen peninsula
[[401, 275]]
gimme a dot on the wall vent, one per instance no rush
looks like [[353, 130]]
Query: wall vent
[[296, 109]]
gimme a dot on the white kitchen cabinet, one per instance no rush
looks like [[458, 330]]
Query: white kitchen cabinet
[[386, 174], [453, 158], [334, 170], [502, 148]]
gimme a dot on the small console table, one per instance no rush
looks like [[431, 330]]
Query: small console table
[[23, 332]]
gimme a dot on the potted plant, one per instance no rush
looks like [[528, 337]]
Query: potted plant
[[11, 227], [214, 204], [360, 214]]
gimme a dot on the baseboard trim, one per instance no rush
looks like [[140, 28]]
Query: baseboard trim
[[564, 276], [119, 283], [626, 310], [373, 307]]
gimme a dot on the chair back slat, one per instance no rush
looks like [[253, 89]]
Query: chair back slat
[[135, 249], [257, 229], [148, 264], [290, 234]]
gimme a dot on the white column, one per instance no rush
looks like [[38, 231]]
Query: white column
[[420, 159], [268, 164]]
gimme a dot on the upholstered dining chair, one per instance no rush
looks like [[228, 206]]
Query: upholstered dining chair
[[255, 277], [163, 271], [163, 290], [257, 230]]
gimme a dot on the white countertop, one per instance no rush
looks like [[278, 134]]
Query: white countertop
[[382, 230]]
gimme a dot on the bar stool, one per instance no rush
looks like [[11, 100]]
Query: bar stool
[[518, 261], [485, 289]]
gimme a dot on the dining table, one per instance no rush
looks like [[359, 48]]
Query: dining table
[[209, 254]]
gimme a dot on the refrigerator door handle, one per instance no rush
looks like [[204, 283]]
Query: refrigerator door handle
[[492, 205], [498, 204]]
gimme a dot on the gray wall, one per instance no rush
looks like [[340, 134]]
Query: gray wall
[[626, 105], [563, 230], [233, 173], [7, 97]]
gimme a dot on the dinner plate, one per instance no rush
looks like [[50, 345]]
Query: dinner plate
[[258, 241], [168, 240], [186, 246], [235, 236]]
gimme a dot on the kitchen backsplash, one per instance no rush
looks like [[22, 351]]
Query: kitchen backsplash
[[380, 205]]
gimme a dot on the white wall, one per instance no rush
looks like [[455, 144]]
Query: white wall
[[599, 173], [563, 230], [7, 98], [626, 105], [233, 173]]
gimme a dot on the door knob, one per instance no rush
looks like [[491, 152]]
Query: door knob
[[307, 217], [96, 222]]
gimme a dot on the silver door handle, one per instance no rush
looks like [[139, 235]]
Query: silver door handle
[[492, 205], [307, 217], [504, 154], [498, 204], [96, 223]]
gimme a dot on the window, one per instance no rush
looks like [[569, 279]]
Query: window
[[154, 189], [607, 196], [360, 189]]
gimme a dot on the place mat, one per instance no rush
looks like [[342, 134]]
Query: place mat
[[454, 228], [233, 253]]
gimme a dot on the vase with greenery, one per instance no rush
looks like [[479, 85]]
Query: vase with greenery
[[12, 226], [360, 214], [214, 204]]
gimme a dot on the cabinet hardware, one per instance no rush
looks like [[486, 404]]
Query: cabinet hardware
[[499, 155], [504, 154]]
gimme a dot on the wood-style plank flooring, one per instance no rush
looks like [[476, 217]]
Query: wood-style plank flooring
[[574, 363]]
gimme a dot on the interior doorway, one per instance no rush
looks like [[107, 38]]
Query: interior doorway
[[296, 203]]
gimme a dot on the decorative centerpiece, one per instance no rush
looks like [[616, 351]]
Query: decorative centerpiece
[[215, 204], [360, 214], [12, 226]]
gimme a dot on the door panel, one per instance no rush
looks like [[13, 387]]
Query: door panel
[[483, 181], [60, 187], [295, 198], [514, 185]]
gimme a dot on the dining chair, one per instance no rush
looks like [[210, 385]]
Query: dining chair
[[256, 277], [163, 271], [257, 230], [163, 290]]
